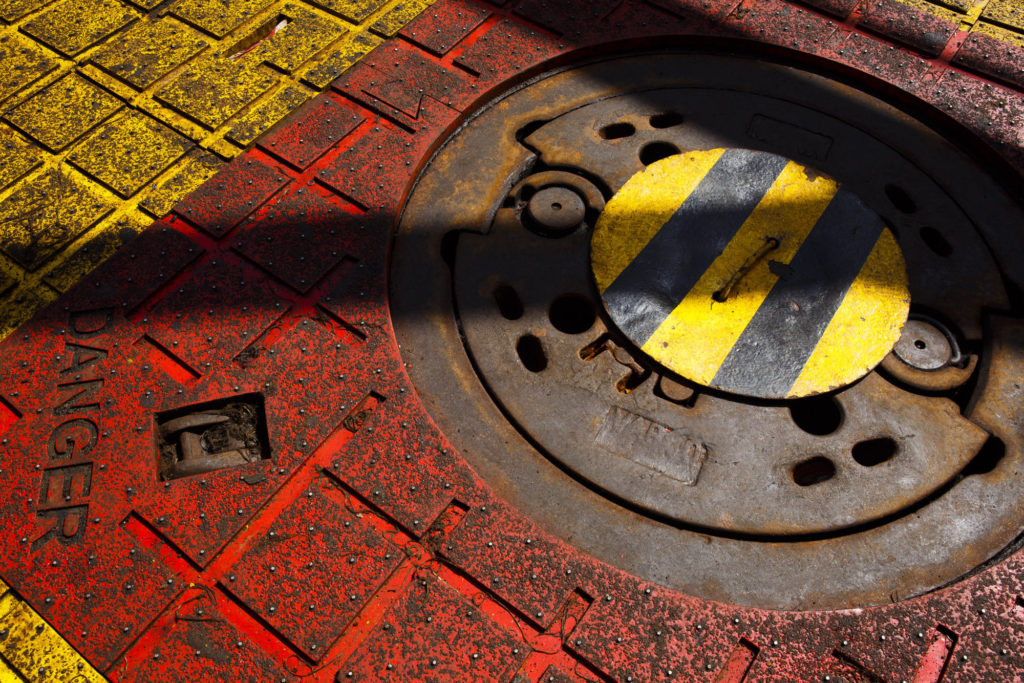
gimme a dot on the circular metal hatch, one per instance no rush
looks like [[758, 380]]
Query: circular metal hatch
[[869, 486]]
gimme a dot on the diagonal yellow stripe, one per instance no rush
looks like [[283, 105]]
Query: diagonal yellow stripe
[[879, 297], [697, 336], [32, 645], [638, 210]]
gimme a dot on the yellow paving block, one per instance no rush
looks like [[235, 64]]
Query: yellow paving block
[[197, 166], [145, 4], [999, 33], [99, 245], [353, 10], [17, 157], [347, 52], [12, 10], [22, 62], [7, 674], [399, 15], [216, 17], [142, 97], [7, 282], [32, 647], [71, 26], [43, 214], [214, 89], [306, 34], [266, 113], [1009, 12], [149, 50], [64, 111], [129, 151], [225, 149], [19, 306]]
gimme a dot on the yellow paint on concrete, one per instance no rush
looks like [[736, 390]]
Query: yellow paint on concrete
[[355, 11], [35, 650], [218, 18], [267, 113], [639, 209], [699, 333], [866, 326], [197, 166], [128, 151], [44, 214], [306, 34], [999, 33], [97, 246], [149, 50], [63, 112], [215, 88], [71, 26], [21, 63], [400, 15], [1008, 12], [17, 157], [74, 71], [347, 52], [7, 674]]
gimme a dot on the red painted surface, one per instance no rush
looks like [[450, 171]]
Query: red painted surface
[[271, 280]]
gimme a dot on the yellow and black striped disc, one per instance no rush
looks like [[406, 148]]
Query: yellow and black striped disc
[[747, 272]]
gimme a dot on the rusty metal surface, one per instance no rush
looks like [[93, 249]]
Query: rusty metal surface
[[849, 476]]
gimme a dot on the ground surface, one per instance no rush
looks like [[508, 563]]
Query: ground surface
[[365, 548]]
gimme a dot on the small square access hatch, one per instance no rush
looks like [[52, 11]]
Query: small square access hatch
[[211, 436]]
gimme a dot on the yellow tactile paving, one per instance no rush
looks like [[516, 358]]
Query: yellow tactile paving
[[149, 50], [98, 247], [21, 63], [30, 650], [218, 18], [353, 10], [128, 151], [351, 49], [111, 111], [215, 89], [17, 157], [398, 16], [1008, 12], [71, 26], [197, 166], [267, 113], [63, 112], [42, 215], [306, 34]]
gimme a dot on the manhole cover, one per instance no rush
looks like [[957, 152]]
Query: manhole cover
[[726, 324]]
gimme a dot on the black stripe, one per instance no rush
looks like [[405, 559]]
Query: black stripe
[[777, 342], [672, 262]]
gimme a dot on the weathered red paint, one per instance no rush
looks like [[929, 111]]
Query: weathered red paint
[[203, 306]]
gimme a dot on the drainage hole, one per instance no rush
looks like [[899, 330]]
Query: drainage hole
[[813, 471], [531, 353], [666, 119], [900, 199], [874, 451], [991, 453], [572, 314], [656, 151], [616, 131], [509, 303], [818, 415], [934, 240]]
